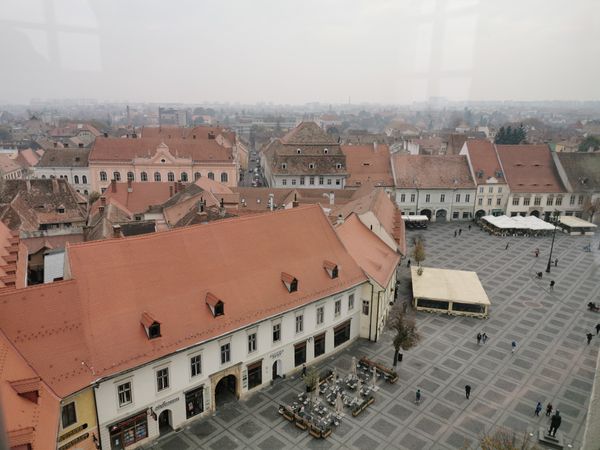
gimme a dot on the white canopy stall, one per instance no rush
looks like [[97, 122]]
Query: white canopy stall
[[576, 226]]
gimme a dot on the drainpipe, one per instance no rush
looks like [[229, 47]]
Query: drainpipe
[[417, 211], [97, 418], [377, 318], [371, 312]]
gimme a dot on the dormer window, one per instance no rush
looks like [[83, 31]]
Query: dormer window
[[311, 165], [28, 388], [331, 268], [290, 282], [338, 166], [60, 210], [163, 160], [326, 151], [217, 307], [298, 151], [151, 326], [284, 166]]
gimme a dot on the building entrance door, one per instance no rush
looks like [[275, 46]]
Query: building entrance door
[[165, 422]]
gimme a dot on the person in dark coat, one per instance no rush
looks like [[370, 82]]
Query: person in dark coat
[[538, 408], [554, 423], [549, 409], [552, 283], [589, 338], [468, 391], [597, 328]]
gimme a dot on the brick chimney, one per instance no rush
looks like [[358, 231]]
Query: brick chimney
[[332, 198], [113, 185], [117, 231]]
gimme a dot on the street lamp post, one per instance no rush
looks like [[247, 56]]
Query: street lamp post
[[555, 215]]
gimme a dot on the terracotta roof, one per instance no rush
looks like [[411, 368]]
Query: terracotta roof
[[368, 164], [26, 421], [65, 157], [308, 133], [582, 170], [373, 255], [142, 195], [200, 132], [432, 172], [7, 164], [74, 332], [484, 161], [119, 149], [13, 259], [529, 168], [28, 158]]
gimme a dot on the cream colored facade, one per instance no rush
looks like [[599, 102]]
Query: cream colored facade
[[161, 166]]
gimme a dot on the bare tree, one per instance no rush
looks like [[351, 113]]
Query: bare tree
[[503, 439], [405, 331], [419, 251], [591, 207]]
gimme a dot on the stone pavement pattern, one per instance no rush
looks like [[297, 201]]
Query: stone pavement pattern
[[552, 362]]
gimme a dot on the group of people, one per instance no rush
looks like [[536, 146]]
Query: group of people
[[459, 231], [555, 421], [481, 337]]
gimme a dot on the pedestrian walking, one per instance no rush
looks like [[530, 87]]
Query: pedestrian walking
[[555, 423], [537, 252], [459, 231], [538, 409], [478, 338], [556, 262], [589, 338], [597, 329], [467, 391], [513, 345], [418, 396], [506, 248], [552, 285], [303, 370], [454, 233], [549, 409], [469, 227], [484, 337], [408, 263]]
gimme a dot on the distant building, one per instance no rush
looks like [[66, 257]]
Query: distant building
[[368, 165], [70, 164], [305, 157], [172, 116], [580, 174], [10, 169]]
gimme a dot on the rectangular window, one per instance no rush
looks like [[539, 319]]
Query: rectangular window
[[467, 198], [225, 353], [549, 201], [526, 201], [365, 308], [498, 201], [558, 201], [580, 200], [301, 181], [427, 198], [537, 201], [481, 189], [321, 180], [516, 201], [196, 365], [457, 198], [194, 402], [455, 214], [293, 182], [255, 375], [337, 182], [442, 198], [299, 323], [465, 215], [251, 342], [412, 198], [124, 392], [69, 417], [499, 189], [162, 379], [329, 181], [320, 315], [319, 343], [350, 302], [277, 332], [341, 334], [572, 200], [491, 189], [129, 431], [480, 201], [311, 180], [299, 354], [338, 307], [284, 182], [489, 201], [402, 198]]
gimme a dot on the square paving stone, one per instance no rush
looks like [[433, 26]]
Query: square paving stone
[[270, 413], [319, 444], [428, 386], [203, 429], [461, 354], [271, 443], [175, 443], [522, 363], [400, 412], [505, 385], [486, 363], [552, 374], [455, 397], [583, 385], [429, 427], [225, 443], [249, 429], [515, 424], [477, 374], [544, 385], [457, 440], [569, 410], [366, 442], [384, 427], [484, 409], [441, 410], [576, 397], [496, 354], [473, 425], [452, 364], [440, 374], [495, 396], [411, 441]]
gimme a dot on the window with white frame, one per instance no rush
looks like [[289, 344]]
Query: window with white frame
[[572, 200], [225, 353], [537, 201], [457, 198], [196, 365], [489, 201], [526, 201], [251, 342], [558, 201], [350, 302], [320, 315], [162, 379], [491, 189], [276, 332], [499, 189], [427, 198], [442, 198], [299, 323], [124, 393], [516, 201], [498, 201], [284, 182], [337, 307], [481, 189], [365, 307], [412, 198], [467, 198], [480, 201], [402, 198]]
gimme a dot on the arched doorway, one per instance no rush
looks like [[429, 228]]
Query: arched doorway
[[441, 214], [277, 372], [226, 390], [480, 213], [426, 212], [165, 422], [535, 213]]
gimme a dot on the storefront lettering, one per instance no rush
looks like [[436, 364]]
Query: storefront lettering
[[277, 354], [166, 403]]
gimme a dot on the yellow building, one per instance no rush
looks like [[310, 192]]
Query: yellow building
[[78, 428]]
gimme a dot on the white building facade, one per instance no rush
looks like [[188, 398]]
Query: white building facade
[[437, 204]]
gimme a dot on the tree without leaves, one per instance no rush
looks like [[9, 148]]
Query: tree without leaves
[[591, 207], [503, 439], [418, 253], [405, 331]]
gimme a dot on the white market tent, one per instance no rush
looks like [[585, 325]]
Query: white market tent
[[415, 218], [455, 292], [575, 225], [518, 223]]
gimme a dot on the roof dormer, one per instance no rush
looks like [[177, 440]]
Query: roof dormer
[[216, 305], [151, 326], [28, 388], [331, 268], [290, 281]]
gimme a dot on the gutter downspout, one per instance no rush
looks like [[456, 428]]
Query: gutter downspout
[[97, 418], [377, 318], [371, 312]]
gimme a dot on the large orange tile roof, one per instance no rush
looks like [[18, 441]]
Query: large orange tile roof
[[432, 172], [529, 168], [484, 161], [368, 164], [137, 197], [25, 421], [119, 149], [373, 255], [76, 331]]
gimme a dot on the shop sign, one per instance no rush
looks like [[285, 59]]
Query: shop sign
[[166, 403], [277, 354]]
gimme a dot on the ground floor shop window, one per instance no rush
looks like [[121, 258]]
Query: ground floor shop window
[[319, 342], [254, 375], [341, 333], [299, 354], [434, 304], [468, 307], [129, 431], [194, 402]]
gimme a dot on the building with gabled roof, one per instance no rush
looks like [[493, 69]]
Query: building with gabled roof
[[70, 164], [580, 174], [305, 157], [368, 164]]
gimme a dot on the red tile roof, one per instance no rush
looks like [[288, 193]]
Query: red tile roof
[[368, 164], [529, 168], [484, 161], [74, 332], [119, 149], [142, 195], [432, 172]]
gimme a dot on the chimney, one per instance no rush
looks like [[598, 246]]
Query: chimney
[[55, 144], [200, 206], [271, 201], [117, 231], [113, 185], [55, 186], [170, 191], [81, 145], [103, 200], [129, 186], [332, 198], [28, 184]]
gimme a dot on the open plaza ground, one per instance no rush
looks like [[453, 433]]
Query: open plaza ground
[[552, 363]]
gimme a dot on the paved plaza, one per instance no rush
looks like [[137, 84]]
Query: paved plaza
[[552, 362]]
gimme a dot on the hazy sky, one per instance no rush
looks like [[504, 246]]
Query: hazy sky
[[390, 51]]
